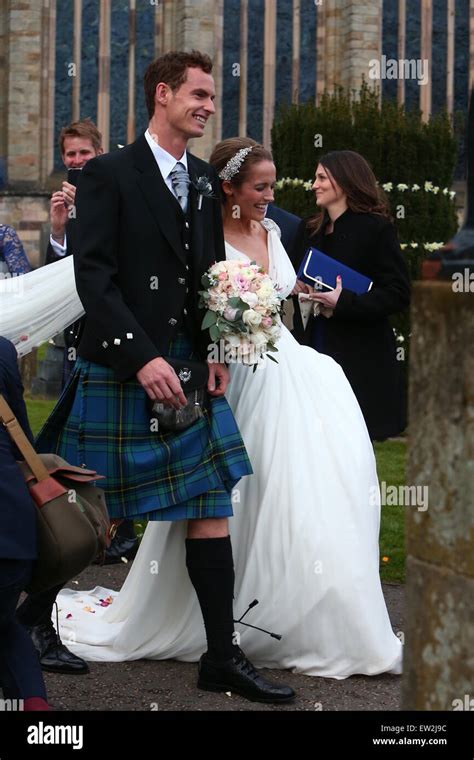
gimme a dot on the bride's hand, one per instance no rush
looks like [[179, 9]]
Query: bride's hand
[[219, 377], [300, 287]]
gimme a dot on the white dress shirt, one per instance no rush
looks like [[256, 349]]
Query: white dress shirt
[[166, 162], [59, 250]]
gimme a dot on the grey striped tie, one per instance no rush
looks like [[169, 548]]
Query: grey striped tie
[[180, 181]]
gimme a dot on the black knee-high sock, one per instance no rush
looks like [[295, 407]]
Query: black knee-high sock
[[211, 570]]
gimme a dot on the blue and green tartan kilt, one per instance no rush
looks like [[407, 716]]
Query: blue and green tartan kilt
[[105, 424]]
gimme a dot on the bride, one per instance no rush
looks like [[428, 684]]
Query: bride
[[306, 545]]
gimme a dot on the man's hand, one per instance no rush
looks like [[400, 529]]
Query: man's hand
[[161, 383], [61, 201], [219, 378]]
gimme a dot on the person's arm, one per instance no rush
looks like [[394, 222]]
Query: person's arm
[[62, 201], [11, 385], [14, 253], [96, 267], [390, 292]]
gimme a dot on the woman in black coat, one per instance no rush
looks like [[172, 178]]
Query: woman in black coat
[[353, 226], [20, 671]]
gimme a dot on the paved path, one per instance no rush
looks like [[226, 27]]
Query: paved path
[[170, 685]]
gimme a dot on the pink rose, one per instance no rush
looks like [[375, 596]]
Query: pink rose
[[267, 322], [222, 276], [242, 282]]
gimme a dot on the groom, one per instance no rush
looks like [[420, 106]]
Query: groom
[[145, 240]]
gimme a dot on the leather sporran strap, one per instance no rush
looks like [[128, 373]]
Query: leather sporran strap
[[18, 437]]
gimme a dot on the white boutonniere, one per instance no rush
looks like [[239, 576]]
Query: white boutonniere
[[203, 186]]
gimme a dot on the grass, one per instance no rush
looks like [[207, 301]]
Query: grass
[[38, 411], [390, 456], [41, 352]]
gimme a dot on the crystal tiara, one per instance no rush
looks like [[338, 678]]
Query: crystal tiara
[[233, 165]]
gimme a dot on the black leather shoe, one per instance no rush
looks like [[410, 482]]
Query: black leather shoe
[[121, 547], [53, 655], [239, 675]]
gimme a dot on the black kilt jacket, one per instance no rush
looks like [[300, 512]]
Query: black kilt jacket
[[140, 259]]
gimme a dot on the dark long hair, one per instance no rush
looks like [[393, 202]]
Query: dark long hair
[[356, 179]]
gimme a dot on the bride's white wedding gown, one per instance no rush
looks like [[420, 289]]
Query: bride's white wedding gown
[[304, 535]]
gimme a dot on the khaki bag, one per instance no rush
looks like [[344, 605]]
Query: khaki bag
[[73, 523]]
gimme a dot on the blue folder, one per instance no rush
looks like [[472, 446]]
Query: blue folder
[[320, 270]]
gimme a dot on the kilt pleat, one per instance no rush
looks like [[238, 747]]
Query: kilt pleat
[[105, 425]]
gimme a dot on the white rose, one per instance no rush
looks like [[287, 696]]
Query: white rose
[[251, 317], [250, 298], [232, 340], [219, 267], [259, 339], [265, 290], [275, 332]]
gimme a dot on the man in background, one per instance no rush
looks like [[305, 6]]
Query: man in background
[[78, 142]]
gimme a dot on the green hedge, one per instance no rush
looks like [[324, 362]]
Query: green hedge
[[399, 146]]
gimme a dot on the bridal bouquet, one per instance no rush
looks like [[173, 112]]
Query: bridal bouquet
[[242, 312]]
